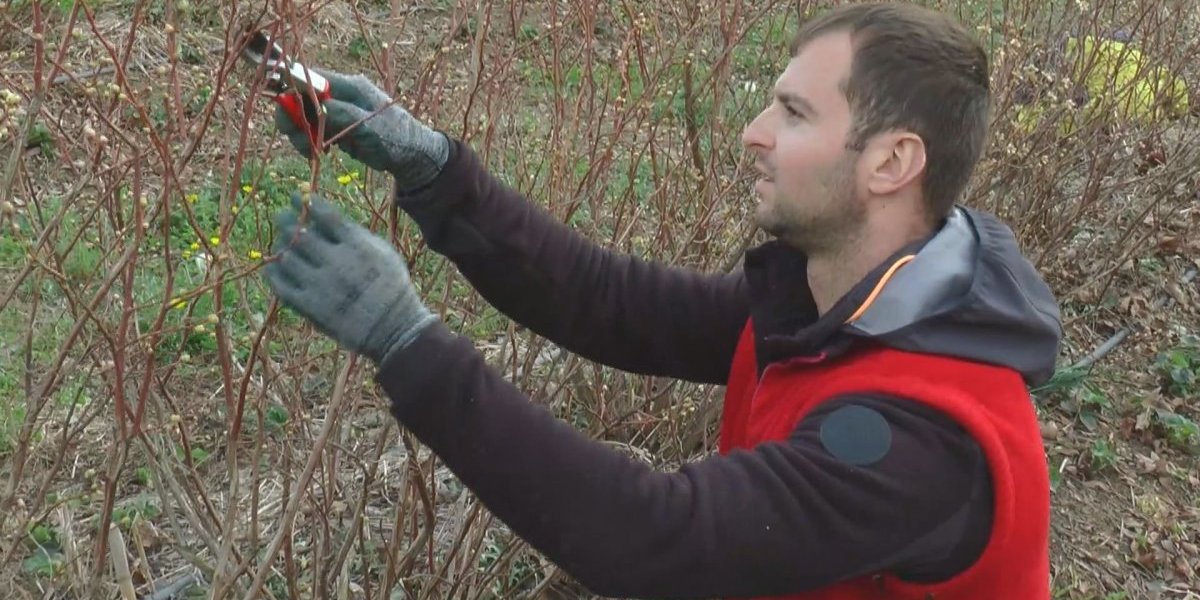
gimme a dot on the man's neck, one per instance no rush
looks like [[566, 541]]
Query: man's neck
[[832, 274]]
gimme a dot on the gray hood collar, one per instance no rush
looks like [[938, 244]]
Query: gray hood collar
[[968, 293]]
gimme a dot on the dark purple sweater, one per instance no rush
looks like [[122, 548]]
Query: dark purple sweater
[[783, 517]]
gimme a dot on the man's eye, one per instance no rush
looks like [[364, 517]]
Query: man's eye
[[793, 113]]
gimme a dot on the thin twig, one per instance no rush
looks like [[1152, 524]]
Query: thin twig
[[296, 498]]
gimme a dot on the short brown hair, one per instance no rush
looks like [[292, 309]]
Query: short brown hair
[[918, 70]]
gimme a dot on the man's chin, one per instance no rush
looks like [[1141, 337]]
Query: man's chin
[[761, 214], [765, 220]]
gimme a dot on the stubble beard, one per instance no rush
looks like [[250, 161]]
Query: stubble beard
[[826, 228]]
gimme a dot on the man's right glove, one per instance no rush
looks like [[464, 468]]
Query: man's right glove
[[392, 140], [348, 282]]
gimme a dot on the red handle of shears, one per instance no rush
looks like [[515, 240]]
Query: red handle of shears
[[293, 104], [292, 86]]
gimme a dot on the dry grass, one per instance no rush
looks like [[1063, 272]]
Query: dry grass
[[150, 382]]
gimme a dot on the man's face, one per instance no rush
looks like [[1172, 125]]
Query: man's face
[[809, 190]]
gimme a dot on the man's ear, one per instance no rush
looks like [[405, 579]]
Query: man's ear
[[894, 160]]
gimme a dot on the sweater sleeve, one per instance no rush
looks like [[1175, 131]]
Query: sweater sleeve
[[612, 308], [780, 518]]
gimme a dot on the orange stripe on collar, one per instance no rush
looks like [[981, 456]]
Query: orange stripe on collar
[[879, 286]]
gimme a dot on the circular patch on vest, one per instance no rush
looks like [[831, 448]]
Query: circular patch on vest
[[856, 435]]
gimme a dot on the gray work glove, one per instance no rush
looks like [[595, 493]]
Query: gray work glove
[[351, 284], [391, 140]]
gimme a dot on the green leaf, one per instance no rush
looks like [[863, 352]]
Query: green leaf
[[1089, 420], [199, 454], [43, 563], [44, 536], [276, 416], [1095, 397]]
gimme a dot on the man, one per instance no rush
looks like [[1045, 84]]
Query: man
[[877, 438]]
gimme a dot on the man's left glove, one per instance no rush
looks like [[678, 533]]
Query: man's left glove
[[391, 140], [351, 284]]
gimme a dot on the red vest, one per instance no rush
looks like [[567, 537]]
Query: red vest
[[990, 402]]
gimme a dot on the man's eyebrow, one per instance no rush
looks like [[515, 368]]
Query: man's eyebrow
[[796, 102]]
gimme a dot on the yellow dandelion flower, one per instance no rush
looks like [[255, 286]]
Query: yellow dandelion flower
[[233, 209], [192, 198], [246, 188], [195, 246], [254, 254], [214, 240], [178, 303], [187, 254], [345, 179]]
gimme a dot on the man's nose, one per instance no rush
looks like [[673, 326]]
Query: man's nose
[[755, 136]]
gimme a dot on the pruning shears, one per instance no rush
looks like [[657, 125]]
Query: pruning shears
[[290, 84]]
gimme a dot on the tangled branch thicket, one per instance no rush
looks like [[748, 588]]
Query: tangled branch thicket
[[164, 424]]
